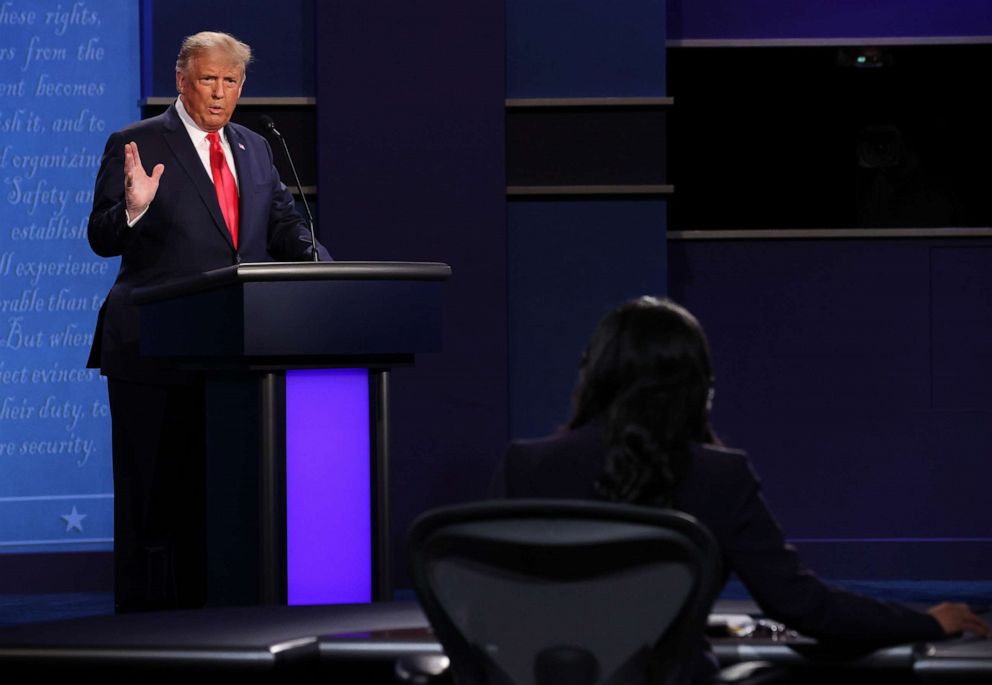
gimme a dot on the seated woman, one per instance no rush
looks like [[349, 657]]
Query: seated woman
[[640, 433]]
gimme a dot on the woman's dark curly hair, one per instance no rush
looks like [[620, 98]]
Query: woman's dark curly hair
[[647, 375]]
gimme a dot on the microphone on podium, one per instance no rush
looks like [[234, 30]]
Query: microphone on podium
[[270, 125]]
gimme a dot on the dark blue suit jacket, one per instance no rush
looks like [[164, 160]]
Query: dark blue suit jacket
[[183, 231], [722, 491]]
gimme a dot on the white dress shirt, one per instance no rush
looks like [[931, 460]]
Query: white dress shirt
[[202, 145]]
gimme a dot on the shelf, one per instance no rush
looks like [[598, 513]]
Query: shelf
[[874, 41], [829, 233], [159, 101], [562, 103], [546, 191]]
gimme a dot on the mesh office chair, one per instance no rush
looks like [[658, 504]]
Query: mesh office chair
[[541, 592]]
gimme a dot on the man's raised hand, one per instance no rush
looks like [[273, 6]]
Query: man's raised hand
[[139, 187]]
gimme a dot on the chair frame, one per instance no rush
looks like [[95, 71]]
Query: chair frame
[[683, 634]]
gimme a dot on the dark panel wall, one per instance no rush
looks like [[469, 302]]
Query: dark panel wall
[[854, 371], [571, 262], [962, 339], [822, 143], [572, 259], [410, 151], [856, 374], [694, 19], [563, 48], [411, 168], [281, 36], [409, 163]]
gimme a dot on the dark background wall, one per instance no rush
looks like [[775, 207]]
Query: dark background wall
[[560, 48], [407, 152], [852, 366], [783, 19], [851, 369], [571, 261], [821, 141], [281, 35], [574, 256], [855, 372], [411, 168]]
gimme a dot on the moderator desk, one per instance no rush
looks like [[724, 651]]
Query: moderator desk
[[360, 643]]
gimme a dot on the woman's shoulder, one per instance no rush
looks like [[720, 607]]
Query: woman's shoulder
[[718, 485], [718, 471], [566, 442], [558, 465], [718, 458]]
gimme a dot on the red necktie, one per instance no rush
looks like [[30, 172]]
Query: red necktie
[[227, 190]]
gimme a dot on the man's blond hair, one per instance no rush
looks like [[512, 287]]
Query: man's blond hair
[[204, 41]]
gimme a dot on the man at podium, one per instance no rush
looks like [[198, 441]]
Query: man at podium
[[177, 194]]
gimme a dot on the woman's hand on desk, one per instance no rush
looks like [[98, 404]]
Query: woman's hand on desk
[[956, 617]]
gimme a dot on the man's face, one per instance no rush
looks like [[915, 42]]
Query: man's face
[[210, 88]]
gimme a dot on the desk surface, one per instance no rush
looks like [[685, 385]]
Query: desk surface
[[961, 659], [266, 638]]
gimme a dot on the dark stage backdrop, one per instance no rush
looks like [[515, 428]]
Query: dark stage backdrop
[[281, 35], [411, 168], [854, 371], [830, 19], [572, 256]]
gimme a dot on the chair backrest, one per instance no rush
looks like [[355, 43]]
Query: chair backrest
[[559, 591]]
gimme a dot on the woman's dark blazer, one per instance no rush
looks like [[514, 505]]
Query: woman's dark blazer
[[722, 491]]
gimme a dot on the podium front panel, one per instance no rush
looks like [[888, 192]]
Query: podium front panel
[[296, 359]]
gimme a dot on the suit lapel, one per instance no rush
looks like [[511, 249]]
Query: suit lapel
[[239, 150], [179, 142]]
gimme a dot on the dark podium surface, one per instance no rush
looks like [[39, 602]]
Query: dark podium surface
[[296, 314], [348, 641], [296, 358]]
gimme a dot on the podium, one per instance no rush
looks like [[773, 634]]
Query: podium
[[296, 358]]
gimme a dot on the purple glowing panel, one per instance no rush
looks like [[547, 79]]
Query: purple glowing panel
[[328, 491]]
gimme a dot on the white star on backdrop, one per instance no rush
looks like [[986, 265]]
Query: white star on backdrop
[[73, 521]]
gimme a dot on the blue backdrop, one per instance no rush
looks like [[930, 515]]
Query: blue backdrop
[[67, 78]]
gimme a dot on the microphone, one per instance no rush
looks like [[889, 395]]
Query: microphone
[[271, 126]]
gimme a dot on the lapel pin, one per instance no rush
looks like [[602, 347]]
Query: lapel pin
[[241, 145]]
